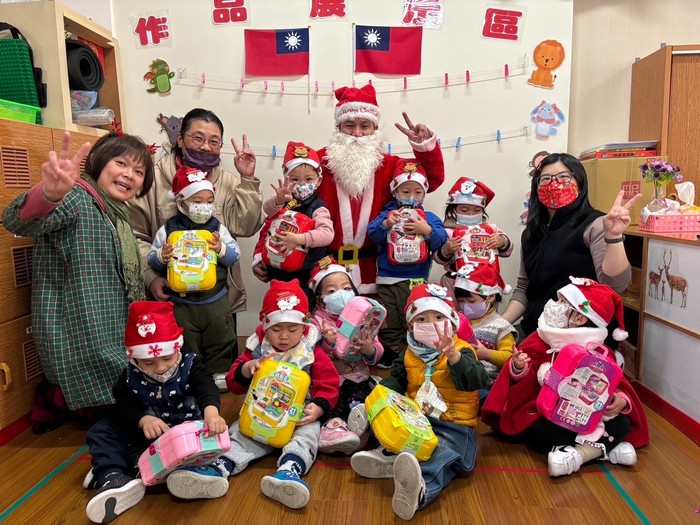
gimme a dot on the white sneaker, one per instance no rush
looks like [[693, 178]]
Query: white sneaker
[[89, 482], [358, 421], [623, 454], [563, 461], [220, 381], [377, 463], [409, 486], [204, 482]]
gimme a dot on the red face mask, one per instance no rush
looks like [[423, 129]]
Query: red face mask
[[557, 194]]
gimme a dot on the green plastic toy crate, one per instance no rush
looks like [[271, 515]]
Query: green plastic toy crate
[[20, 112]]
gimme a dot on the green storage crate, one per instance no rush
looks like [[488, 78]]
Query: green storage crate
[[20, 112]]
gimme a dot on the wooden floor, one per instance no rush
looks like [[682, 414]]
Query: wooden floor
[[41, 476]]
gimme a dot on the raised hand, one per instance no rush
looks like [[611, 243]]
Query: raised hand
[[618, 218], [215, 243], [283, 193], [445, 342], [415, 132], [520, 359], [244, 160], [59, 172]]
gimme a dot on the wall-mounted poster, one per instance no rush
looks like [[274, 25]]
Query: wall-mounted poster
[[673, 283]]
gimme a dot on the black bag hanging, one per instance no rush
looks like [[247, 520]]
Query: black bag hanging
[[20, 81], [84, 68]]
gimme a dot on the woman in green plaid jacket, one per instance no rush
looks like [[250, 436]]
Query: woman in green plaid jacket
[[86, 265]]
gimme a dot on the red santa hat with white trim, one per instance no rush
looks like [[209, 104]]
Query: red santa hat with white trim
[[598, 302], [431, 296], [298, 153], [151, 330], [408, 170], [357, 103], [188, 181], [323, 268], [481, 279], [470, 191], [284, 302]]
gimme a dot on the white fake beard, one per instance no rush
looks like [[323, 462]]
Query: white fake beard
[[354, 160]]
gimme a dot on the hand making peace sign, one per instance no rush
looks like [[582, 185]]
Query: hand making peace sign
[[415, 132], [244, 160], [60, 172], [618, 218]]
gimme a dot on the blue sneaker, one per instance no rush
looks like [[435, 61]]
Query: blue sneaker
[[286, 487], [197, 482]]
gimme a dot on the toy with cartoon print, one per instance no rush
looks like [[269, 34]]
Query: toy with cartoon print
[[184, 444], [579, 386], [360, 316], [286, 221], [193, 266], [399, 424], [403, 247], [274, 402], [472, 247]]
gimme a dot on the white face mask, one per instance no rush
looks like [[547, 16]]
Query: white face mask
[[200, 212], [427, 334], [556, 314], [464, 219], [304, 191], [168, 375], [335, 302]]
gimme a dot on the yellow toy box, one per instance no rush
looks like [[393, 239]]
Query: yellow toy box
[[193, 266], [399, 424], [274, 403]]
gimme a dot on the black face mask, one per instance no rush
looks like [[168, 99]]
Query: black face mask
[[202, 160]]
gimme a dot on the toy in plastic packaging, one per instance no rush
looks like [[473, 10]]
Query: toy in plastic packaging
[[193, 266], [472, 247], [286, 221], [430, 401], [361, 315], [403, 247]]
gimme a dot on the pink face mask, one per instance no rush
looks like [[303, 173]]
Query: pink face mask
[[557, 194]]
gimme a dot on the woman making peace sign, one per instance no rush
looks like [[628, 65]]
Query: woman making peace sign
[[566, 236]]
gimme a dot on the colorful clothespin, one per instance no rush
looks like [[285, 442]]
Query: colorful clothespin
[[203, 79], [265, 85], [498, 135], [274, 151], [405, 83], [332, 86], [505, 71], [467, 76], [458, 144], [242, 82], [281, 87], [316, 86], [447, 79], [388, 148]]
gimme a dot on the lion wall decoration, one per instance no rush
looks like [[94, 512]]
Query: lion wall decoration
[[548, 55]]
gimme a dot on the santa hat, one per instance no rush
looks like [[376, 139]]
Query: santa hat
[[408, 170], [356, 103], [299, 153], [597, 302], [481, 279], [187, 182], [151, 330], [284, 302], [323, 269], [431, 296], [470, 191]]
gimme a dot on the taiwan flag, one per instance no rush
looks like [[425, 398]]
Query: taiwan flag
[[388, 50], [276, 52]]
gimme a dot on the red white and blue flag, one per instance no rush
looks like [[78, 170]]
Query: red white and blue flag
[[388, 50], [277, 52]]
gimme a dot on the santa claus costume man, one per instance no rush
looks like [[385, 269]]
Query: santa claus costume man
[[356, 176]]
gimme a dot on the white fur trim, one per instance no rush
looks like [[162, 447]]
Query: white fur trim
[[427, 145], [146, 351], [542, 372], [462, 198], [298, 161], [405, 177], [432, 303], [283, 316], [353, 110], [620, 335], [346, 223], [574, 295], [559, 337], [193, 188], [322, 274], [366, 289]]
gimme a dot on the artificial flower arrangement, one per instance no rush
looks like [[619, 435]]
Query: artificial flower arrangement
[[660, 173]]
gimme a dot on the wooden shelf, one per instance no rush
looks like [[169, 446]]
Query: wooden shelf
[[630, 301]]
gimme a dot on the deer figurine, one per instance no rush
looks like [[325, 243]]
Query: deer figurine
[[654, 279], [675, 282]]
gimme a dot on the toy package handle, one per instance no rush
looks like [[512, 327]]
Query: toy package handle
[[597, 348]]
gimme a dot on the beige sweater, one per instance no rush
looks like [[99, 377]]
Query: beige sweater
[[238, 207]]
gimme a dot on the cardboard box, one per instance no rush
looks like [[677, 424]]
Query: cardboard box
[[606, 177]]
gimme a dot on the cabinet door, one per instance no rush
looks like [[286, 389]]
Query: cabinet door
[[20, 370]]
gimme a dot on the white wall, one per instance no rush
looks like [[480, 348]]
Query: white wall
[[272, 118]]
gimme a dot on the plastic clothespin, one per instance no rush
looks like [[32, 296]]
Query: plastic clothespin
[[447, 79], [265, 85], [370, 81], [467, 77], [498, 135], [203, 78], [242, 82], [274, 151], [439, 141], [316, 87], [353, 82], [458, 144], [180, 72], [505, 71], [388, 148], [332, 86], [281, 89], [405, 83]]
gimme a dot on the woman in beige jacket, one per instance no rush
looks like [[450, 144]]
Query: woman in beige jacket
[[238, 200]]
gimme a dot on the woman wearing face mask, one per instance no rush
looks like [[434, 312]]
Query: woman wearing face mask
[[238, 200], [471, 237], [566, 236], [345, 429]]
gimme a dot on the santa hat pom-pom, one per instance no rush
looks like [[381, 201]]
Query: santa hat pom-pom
[[542, 372], [171, 195], [507, 289], [620, 335]]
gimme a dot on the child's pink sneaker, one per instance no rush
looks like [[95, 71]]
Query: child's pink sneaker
[[336, 437]]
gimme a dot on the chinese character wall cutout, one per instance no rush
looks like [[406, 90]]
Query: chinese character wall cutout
[[152, 29], [321, 9], [229, 12], [503, 24], [424, 13]]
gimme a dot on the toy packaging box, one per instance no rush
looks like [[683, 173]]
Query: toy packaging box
[[579, 387], [472, 248], [361, 314], [193, 266], [274, 403], [399, 424], [406, 248], [185, 444], [292, 222]]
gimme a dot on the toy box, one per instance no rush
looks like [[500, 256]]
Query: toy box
[[399, 424], [274, 403], [292, 222], [406, 248], [193, 266], [473, 248], [579, 387], [184, 444], [361, 314]]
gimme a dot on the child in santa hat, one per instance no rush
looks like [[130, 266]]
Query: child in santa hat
[[479, 288], [285, 334], [345, 430], [583, 314], [392, 232], [163, 385], [442, 374], [205, 316], [471, 238], [297, 192]]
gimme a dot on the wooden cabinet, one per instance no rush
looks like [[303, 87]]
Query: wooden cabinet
[[664, 106], [44, 24]]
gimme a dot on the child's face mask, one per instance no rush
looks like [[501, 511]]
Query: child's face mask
[[475, 310], [303, 191], [464, 219], [199, 212], [335, 302], [165, 376], [427, 334], [556, 314]]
